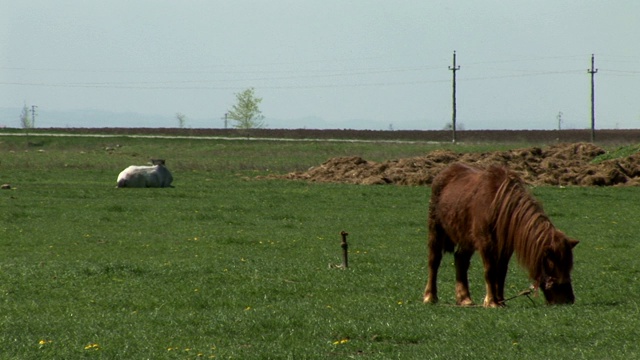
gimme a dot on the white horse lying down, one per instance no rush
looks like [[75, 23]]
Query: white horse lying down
[[155, 175]]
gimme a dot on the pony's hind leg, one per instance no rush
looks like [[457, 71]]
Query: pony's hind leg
[[435, 258], [431, 291], [463, 261]]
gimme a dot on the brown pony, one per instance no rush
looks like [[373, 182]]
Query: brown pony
[[492, 211]]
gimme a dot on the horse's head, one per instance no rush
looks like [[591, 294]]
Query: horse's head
[[555, 279]]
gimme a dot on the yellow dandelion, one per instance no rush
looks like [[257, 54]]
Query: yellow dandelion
[[342, 341], [92, 346]]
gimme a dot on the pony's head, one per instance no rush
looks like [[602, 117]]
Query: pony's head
[[555, 276]]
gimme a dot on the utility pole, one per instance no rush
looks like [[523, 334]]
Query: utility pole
[[225, 119], [559, 117], [33, 116], [454, 68], [593, 71]]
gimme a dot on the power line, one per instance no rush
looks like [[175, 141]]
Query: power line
[[169, 85], [286, 67], [619, 72], [226, 84], [227, 71]]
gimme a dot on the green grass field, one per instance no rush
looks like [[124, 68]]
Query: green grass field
[[229, 266]]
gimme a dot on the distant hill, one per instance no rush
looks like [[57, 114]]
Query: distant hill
[[10, 117]]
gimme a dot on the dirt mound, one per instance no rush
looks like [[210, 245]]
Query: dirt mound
[[559, 165]]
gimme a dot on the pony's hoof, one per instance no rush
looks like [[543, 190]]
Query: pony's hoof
[[429, 299], [494, 304], [465, 302]]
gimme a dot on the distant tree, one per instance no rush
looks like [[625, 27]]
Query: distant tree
[[246, 112], [182, 120], [25, 119]]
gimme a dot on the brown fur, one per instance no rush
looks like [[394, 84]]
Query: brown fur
[[492, 212]]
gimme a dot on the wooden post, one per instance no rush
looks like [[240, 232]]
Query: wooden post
[[593, 71], [454, 68], [345, 250]]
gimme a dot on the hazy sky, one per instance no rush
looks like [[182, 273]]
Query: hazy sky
[[348, 64]]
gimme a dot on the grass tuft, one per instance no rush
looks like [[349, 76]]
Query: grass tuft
[[618, 153]]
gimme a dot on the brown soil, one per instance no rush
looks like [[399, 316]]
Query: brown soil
[[558, 165]]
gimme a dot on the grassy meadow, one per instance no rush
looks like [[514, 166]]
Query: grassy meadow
[[229, 265]]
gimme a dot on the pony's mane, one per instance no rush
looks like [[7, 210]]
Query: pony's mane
[[520, 224]]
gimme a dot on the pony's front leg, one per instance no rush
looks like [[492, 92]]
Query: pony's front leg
[[463, 261], [492, 279], [501, 277]]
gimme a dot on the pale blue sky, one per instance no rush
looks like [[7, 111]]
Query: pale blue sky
[[322, 63]]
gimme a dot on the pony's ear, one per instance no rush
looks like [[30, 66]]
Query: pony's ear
[[573, 242]]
